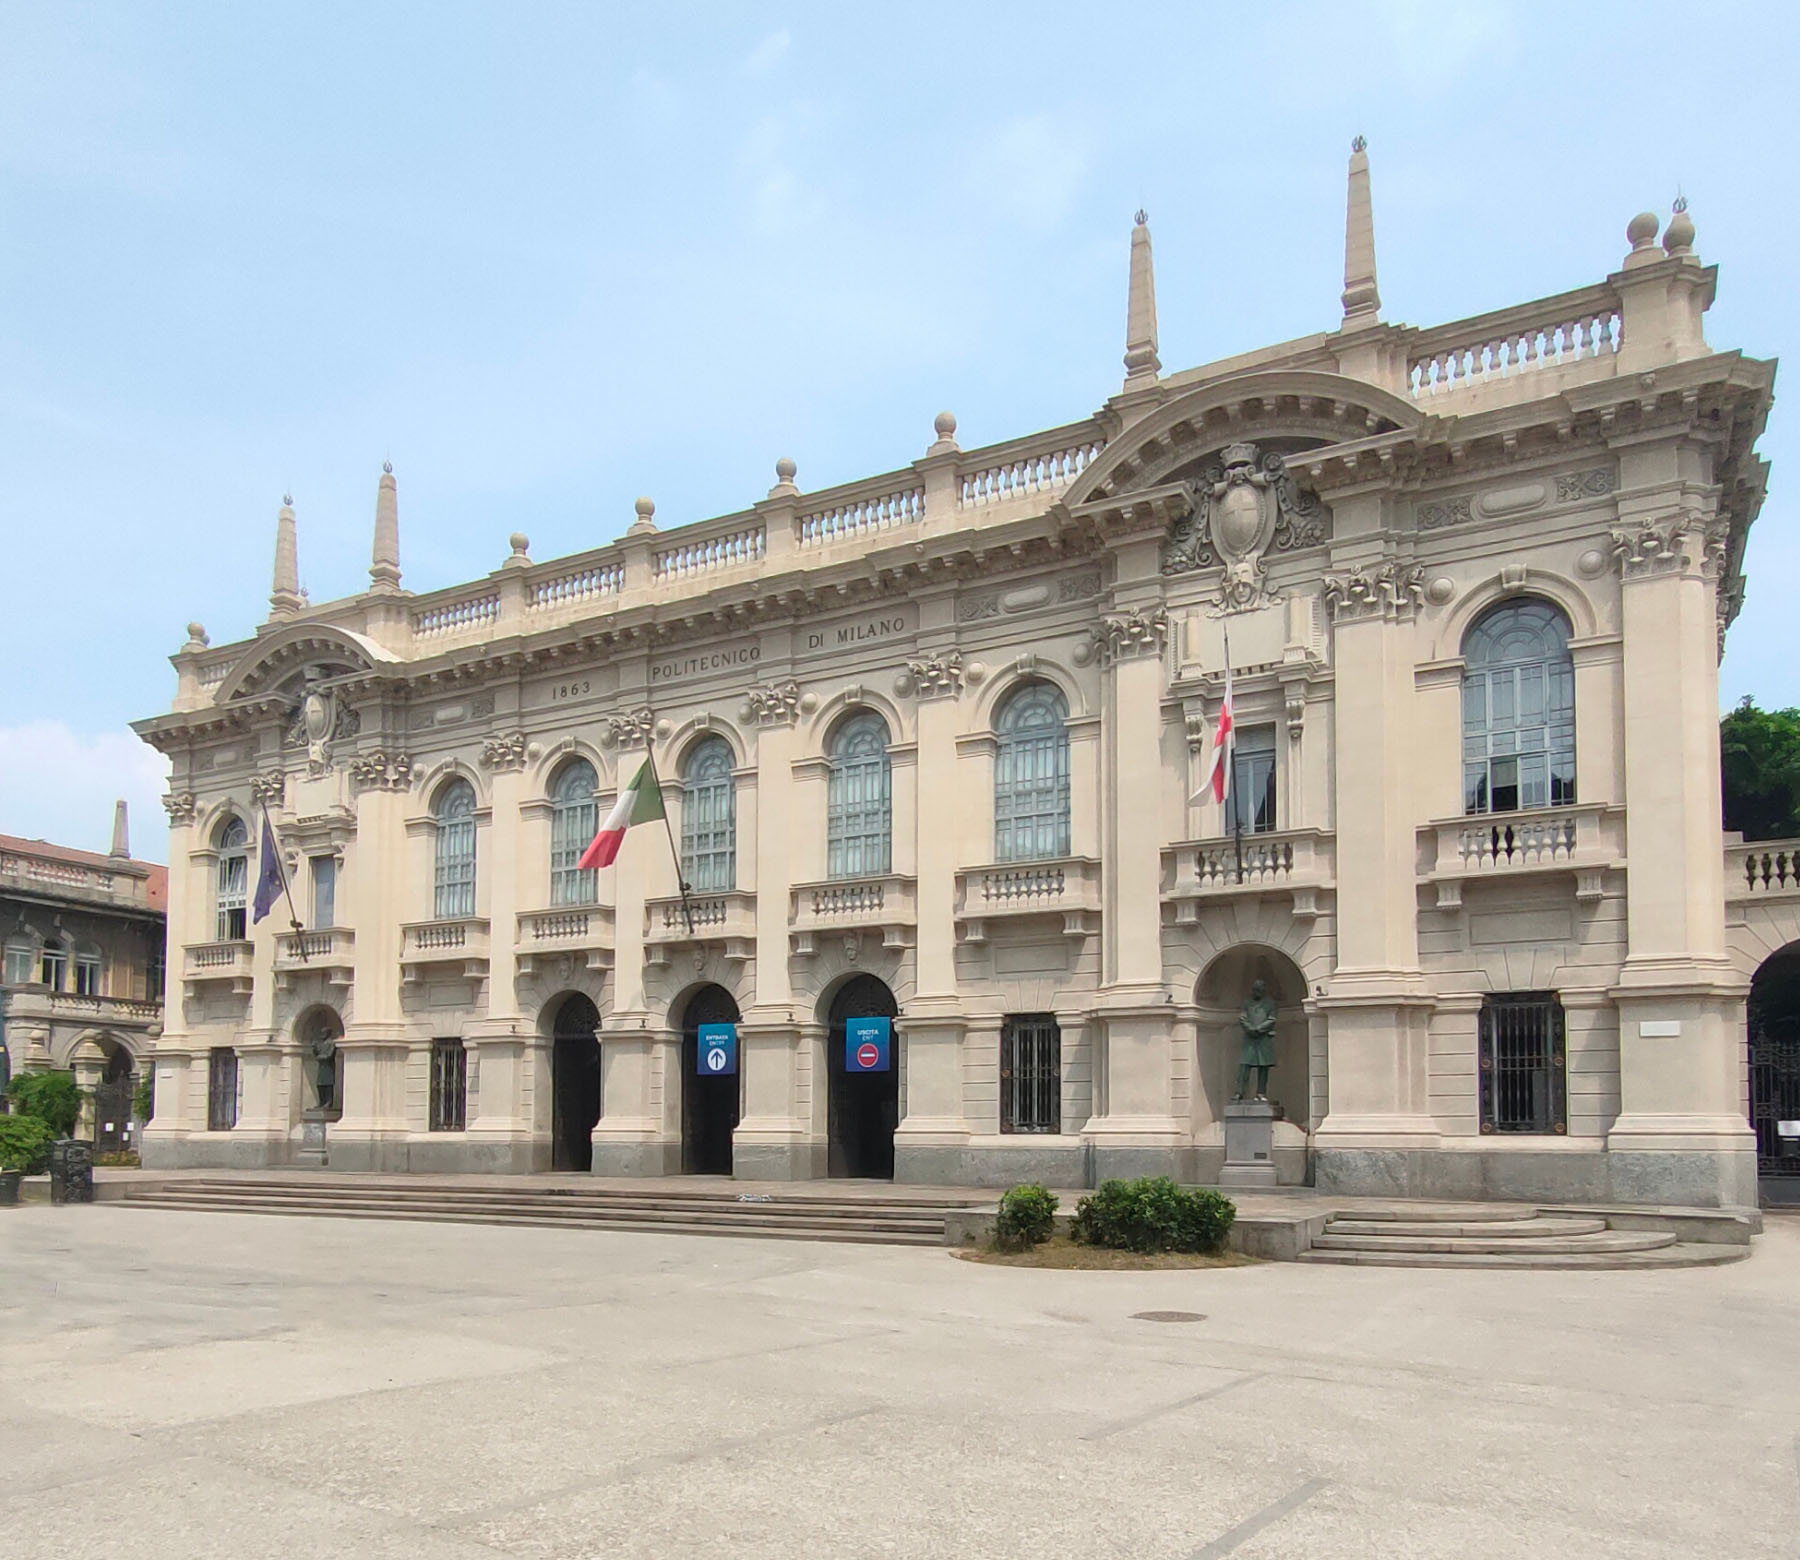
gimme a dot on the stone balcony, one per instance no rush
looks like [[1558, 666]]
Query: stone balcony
[[459, 940], [582, 932], [1769, 869], [330, 951], [1584, 840], [208, 963], [725, 920], [1068, 887], [41, 1004], [1299, 863], [853, 908]]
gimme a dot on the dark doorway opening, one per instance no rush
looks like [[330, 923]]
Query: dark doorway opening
[[1774, 1015], [112, 1103], [574, 1084], [710, 1104], [864, 1108]]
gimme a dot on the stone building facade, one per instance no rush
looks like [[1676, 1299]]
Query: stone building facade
[[934, 747], [82, 939]]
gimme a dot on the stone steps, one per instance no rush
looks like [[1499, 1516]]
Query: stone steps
[[1502, 1238], [874, 1220]]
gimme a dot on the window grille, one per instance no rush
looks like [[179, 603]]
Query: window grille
[[709, 819], [1250, 804], [233, 880], [449, 1085], [324, 892], [1518, 710], [53, 965], [21, 962], [221, 1090], [87, 974], [574, 821], [1522, 1063], [455, 877], [1031, 1074], [859, 839], [1031, 776]]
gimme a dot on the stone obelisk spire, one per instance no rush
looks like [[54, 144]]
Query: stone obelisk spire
[[1362, 301], [384, 565], [1141, 362], [285, 600], [121, 841]]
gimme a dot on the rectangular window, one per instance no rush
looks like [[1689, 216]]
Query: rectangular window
[[20, 958], [324, 892], [1250, 804], [1523, 1070], [709, 836], [221, 1090], [153, 971], [53, 966], [1518, 737], [449, 1085], [454, 897], [1031, 1074], [233, 878], [87, 974], [858, 821]]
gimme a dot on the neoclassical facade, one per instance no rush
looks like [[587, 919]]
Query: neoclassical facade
[[933, 747]]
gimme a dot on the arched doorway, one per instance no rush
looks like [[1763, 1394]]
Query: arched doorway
[[1220, 997], [1774, 1024], [574, 1083], [112, 1099], [863, 1107], [319, 1030], [710, 1102]]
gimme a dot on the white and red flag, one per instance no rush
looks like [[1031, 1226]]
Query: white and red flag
[[640, 802], [1223, 742]]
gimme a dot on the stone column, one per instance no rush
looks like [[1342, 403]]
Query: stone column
[[1681, 1135], [170, 1120], [371, 1132], [1379, 1120], [499, 1133], [1134, 1130], [932, 1137]]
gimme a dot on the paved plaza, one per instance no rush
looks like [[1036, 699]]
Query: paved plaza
[[194, 1384]]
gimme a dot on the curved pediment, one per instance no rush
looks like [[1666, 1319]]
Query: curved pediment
[[1279, 411], [322, 650]]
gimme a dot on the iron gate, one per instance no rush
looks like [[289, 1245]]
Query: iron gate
[[112, 1116], [1775, 1098]]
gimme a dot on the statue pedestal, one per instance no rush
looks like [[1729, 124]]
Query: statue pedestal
[[1249, 1144], [311, 1153]]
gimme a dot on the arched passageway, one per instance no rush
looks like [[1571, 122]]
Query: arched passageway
[[864, 1100], [1774, 1029], [710, 1094], [574, 1083]]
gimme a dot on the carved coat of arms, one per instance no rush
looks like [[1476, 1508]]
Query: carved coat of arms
[[1243, 507]]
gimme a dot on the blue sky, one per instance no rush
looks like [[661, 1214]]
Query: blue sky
[[549, 257]]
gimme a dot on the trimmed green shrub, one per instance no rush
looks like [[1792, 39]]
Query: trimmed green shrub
[[1153, 1214], [143, 1097], [24, 1144], [53, 1098], [1027, 1217]]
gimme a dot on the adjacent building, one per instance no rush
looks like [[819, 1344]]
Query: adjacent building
[[82, 938], [934, 748]]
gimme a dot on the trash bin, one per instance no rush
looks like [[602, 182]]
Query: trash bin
[[71, 1171]]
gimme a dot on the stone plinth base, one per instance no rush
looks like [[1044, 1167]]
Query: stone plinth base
[[779, 1161], [1054, 1163], [637, 1159], [1249, 1144], [1683, 1180]]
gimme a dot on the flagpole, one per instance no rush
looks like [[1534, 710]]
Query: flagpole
[[687, 910], [1237, 807], [286, 888]]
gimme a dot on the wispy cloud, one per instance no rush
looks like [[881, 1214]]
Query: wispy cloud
[[59, 784], [1031, 168]]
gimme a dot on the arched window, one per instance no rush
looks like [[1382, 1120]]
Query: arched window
[[1031, 775], [709, 818], [455, 878], [53, 964], [859, 830], [21, 962], [233, 845], [88, 968], [574, 822], [1518, 709]]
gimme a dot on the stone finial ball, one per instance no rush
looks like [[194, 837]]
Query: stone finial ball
[[287, 500], [645, 507], [785, 469], [520, 542], [197, 631], [387, 468], [1680, 234], [945, 423], [1641, 229]]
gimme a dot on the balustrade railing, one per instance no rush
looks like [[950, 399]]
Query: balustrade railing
[[456, 617], [557, 926], [1028, 474], [449, 940], [861, 516], [1558, 332], [1292, 859], [710, 554], [588, 583], [1766, 868], [1517, 842]]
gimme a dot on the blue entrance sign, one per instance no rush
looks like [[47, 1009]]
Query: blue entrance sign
[[717, 1052], [868, 1044]]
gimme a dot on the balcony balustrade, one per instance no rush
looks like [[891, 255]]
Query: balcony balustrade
[[43, 1004], [886, 906], [462, 940], [726, 919], [330, 950], [1586, 840], [1769, 869], [222, 963], [1296, 862], [1068, 887], [565, 931]]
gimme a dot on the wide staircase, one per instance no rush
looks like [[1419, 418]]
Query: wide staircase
[[1424, 1235], [884, 1218]]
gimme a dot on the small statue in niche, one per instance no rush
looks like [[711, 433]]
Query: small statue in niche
[[324, 1068], [1257, 1021]]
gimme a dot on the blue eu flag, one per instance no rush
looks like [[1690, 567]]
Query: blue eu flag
[[269, 881]]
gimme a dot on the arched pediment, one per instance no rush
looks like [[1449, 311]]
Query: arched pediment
[[291, 651], [1281, 411]]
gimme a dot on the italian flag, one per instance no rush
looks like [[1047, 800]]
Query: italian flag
[[639, 802], [1222, 745]]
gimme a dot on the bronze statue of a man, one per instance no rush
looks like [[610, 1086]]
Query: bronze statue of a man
[[1257, 1020]]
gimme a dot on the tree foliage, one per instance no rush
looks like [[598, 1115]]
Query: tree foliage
[[51, 1097], [1759, 756]]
